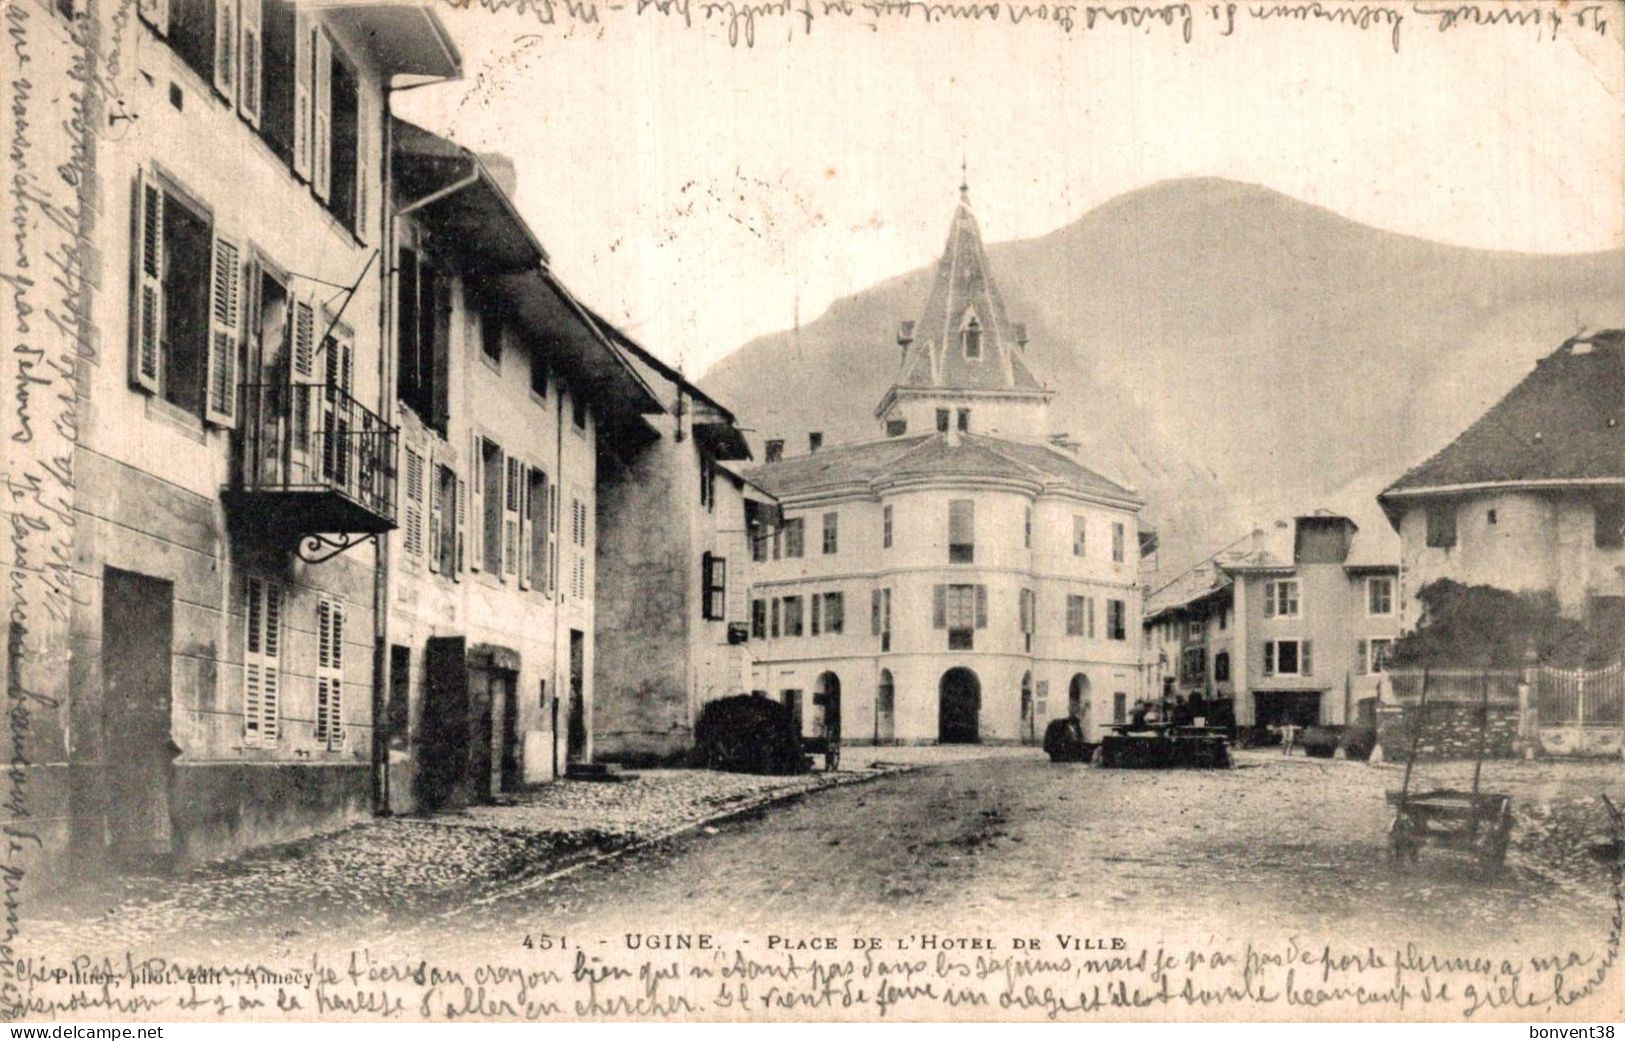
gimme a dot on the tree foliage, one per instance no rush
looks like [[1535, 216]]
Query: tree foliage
[[1466, 626]]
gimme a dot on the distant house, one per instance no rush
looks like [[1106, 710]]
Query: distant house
[[674, 530], [1291, 625], [1531, 497], [963, 577]]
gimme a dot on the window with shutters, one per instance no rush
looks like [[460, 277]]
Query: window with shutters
[[1379, 595], [1116, 620], [1119, 536], [185, 345], [792, 616], [422, 338], [773, 619], [444, 520], [263, 601], [1281, 598], [1287, 658], [330, 728], [1075, 608], [885, 527], [278, 25], [831, 533], [344, 143], [1441, 525], [714, 590], [795, 542], [493, 472], [412, 505], [1371, 656], [960, 609], [537, 528], [961, 531], [834, 612], [1080, 536], [758, 619]]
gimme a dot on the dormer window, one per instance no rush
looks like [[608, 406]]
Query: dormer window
[[970, 335]]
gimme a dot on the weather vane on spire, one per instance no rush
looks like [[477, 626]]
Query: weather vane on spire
[[964, 177]]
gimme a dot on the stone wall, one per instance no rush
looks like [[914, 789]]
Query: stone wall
[[1449, 730]]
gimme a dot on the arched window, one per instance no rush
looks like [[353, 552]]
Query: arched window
[[971, 336]]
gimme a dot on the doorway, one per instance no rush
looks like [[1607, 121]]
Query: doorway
[[139, 747], [959, 707], [1029, 722], [827, 696], [575, 749]]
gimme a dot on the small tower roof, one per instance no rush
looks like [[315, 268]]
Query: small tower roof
[[964, 296]]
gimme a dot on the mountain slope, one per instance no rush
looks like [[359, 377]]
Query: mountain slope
[[1230, 351]]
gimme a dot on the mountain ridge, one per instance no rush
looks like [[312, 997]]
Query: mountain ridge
[[1221, 346]]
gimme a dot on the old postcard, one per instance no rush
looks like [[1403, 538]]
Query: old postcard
[[813, 510]]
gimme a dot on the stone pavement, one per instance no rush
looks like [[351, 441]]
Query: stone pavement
[[381, 873]]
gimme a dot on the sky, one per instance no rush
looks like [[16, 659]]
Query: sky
[[701, 193]]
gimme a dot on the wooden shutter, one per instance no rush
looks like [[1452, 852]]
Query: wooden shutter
[[525, 513], [225, 49], [330, 672], [437, 513], [225, 331], [512, 472], [321, 143], [1269, 599], [412, 505], [146, 282], [363, 163], [981, 607], [939, 607], [817, 601], [476, 504], [874, 612], [262, 653], [1359, 657], [460, 515], [304, 57], [250, 83], [1269, 657], [1306, 664], [156, 14]]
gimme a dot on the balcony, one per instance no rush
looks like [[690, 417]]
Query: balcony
[[313, 466]]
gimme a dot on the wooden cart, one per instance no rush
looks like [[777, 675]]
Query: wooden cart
[[1472, 821]]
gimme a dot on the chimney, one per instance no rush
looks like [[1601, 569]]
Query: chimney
[[1021, 335], [815, 441], [775, 449]]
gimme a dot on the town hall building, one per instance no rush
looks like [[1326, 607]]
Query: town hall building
[[963, 576]]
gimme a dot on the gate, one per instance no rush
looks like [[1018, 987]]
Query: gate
[[1581, 711]]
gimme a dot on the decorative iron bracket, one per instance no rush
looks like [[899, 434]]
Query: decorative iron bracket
[[315, 549]]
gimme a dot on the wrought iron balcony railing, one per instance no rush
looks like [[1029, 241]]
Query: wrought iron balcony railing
[[311, 459]]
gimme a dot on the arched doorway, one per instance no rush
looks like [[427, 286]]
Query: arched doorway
[[959, 706], [827, 699], [885, 709], [1077, 700], [1029, 724]]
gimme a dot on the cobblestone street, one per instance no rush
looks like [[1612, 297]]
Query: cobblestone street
[[956, 842]]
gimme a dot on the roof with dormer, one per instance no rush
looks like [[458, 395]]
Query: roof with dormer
[[956, 456], [1563, 424], [964, 294]]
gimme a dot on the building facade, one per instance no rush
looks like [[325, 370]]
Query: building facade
[[1531, 497], [1291, 626], [209, 684], [963, 577], [506, 388], [674, 570]]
